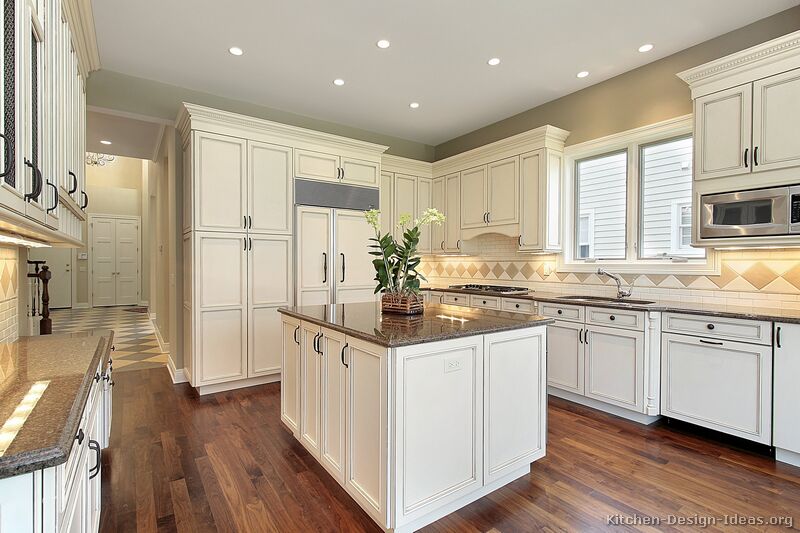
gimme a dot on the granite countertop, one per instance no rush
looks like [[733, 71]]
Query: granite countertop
[[723, 311], [44, 386], [439, 322]]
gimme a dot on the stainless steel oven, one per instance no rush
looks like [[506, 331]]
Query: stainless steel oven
[[774, 211]]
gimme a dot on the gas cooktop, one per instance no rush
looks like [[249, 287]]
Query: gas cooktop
[[491, 288]]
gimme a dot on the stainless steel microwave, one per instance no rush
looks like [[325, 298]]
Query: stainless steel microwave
[[774, 211]]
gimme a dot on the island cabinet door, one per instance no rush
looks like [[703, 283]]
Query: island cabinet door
[[515, 401], [438, 417], [565, 356], [310, 377], [367, 416], [290, 377], [787, 395], [334, 386], [614, 366]]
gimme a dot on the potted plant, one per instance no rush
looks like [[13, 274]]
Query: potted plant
[[396, 262]]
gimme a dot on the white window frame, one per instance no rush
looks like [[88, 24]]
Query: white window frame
[[676, 246], [630, 140], [589, 215]]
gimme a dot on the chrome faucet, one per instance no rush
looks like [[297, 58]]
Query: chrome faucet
[[621, 293]]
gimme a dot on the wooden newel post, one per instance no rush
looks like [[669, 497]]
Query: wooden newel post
[[44, 275]]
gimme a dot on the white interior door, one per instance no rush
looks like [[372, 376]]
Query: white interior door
[[127, 262], [314, 262], [354, 271], [59, 260], [104, 262]]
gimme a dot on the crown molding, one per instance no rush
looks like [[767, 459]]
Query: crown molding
[[776, 50], [541, 137], [643, 134], [197, 117], [404, 165], [80, 19]]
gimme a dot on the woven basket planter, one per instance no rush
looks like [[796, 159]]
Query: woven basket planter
[[402, 304]]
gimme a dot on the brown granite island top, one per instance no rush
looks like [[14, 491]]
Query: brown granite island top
[[439, 322], [44, 385]]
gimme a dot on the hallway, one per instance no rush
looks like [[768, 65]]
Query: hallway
[[134, 337]]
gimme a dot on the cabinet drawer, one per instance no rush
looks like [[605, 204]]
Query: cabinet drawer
[[519, 306], [615, 318], [455, 299], [735, 329], [564, 312], [485, 302]]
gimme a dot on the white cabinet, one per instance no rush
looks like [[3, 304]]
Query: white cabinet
[[452, 202], [220, 182], [405, 194], [387, 202], [723, 129], [404, 202], [333, 398], [776, 114], [310, 386], [490, 194], [473, 198], [290, 378], [424, 202], [314, 262], [540, 200], [565, 356], [269, 188], [721, 385], [786, 393], [330, 167], [438, 202], [354, 272], [614, 366]]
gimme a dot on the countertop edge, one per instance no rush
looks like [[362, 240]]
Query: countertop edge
[[400, 344], [30, 461]]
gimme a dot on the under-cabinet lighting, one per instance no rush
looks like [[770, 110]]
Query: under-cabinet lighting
[[20, 415], [7, 238], [107, 143]]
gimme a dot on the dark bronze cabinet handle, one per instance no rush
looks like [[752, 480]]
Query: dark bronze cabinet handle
[[778, 337], [343, 349], [74, 182], [85, 200], [296, 340], [745, 156], [319, 344], [97, 377], [94, 445], [8, 156], [324, 267], [30, 196], [343, 267], [755, 156], [55, 196], [580, 336], [79, 436], [520, 240], [710, 342]]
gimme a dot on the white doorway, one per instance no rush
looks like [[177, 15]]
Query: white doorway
[[60, 261], [115, 259]]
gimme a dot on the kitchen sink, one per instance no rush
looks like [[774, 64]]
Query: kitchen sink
[[580, 298]]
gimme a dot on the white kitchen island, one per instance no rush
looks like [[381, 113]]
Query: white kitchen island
[[415, 416]]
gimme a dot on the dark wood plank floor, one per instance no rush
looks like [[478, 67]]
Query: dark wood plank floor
[[225, 463]]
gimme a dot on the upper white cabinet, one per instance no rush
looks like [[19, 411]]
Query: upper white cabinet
[[540, 200], [407, 189], [424, 202], [220, 178], [331, 167], [438, 202], [269, 188], [490, 194], [776, 115], [452, 206], [473, 197], [723, 129], [405, 201]]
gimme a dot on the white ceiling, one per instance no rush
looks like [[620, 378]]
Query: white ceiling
[[129, 136], [295, 48]]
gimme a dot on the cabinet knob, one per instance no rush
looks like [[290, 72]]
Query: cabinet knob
[[710, 326], [612, 317], [484, 302], [517, 306], [560, 312]]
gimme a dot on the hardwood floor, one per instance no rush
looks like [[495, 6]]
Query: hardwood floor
[[225, 463]]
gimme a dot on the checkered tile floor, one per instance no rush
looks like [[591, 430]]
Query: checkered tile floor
[[134, 337]]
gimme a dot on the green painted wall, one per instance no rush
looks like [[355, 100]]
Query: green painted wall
[[648, 94], [121, 92]]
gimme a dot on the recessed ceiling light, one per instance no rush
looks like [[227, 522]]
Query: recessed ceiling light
[[105, 142], [494, 61], [646, 47], [383, 43], [235, 50], [338, 81], [413, 105], [582, 74]]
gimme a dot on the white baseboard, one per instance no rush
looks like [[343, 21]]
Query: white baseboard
[[82, 305], [621, 412], [787, 456], [144, 303], [153, 317], [240, 384], [163, 345], [177, 375]]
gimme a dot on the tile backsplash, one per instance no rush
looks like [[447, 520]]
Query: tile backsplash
[[9, 293], [764, 278]]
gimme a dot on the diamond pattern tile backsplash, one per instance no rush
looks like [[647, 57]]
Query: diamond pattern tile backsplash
[[9, 291], [769, 278]]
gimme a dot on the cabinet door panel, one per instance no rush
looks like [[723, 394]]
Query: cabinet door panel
[[776, 114], [565, 356], [437, 201], [358, 172], [723, 125], [316, 165], [405, 199], [270, 270], [503, 192], [264, 340], [221, 347], [270, 187], [310, 377], [290, 375], [221, 269], [615, 366], [531, 199], [334, 387], [473, 198], [220, 182], [314, 262], [787, 395], [452, 241], [725, 386], [353, 265], [423, 203], [386, 202]]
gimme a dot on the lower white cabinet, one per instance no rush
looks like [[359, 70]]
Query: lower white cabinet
[[787, 394], [310, 378], [721, 385], [333, 396], [290, 382], [565, 356], [614, 366]]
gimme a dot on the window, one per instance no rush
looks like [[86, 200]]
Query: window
[[630, 196], [601, 184], [666, 199]]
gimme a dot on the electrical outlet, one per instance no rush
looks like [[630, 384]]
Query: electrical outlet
[[452, 365]]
